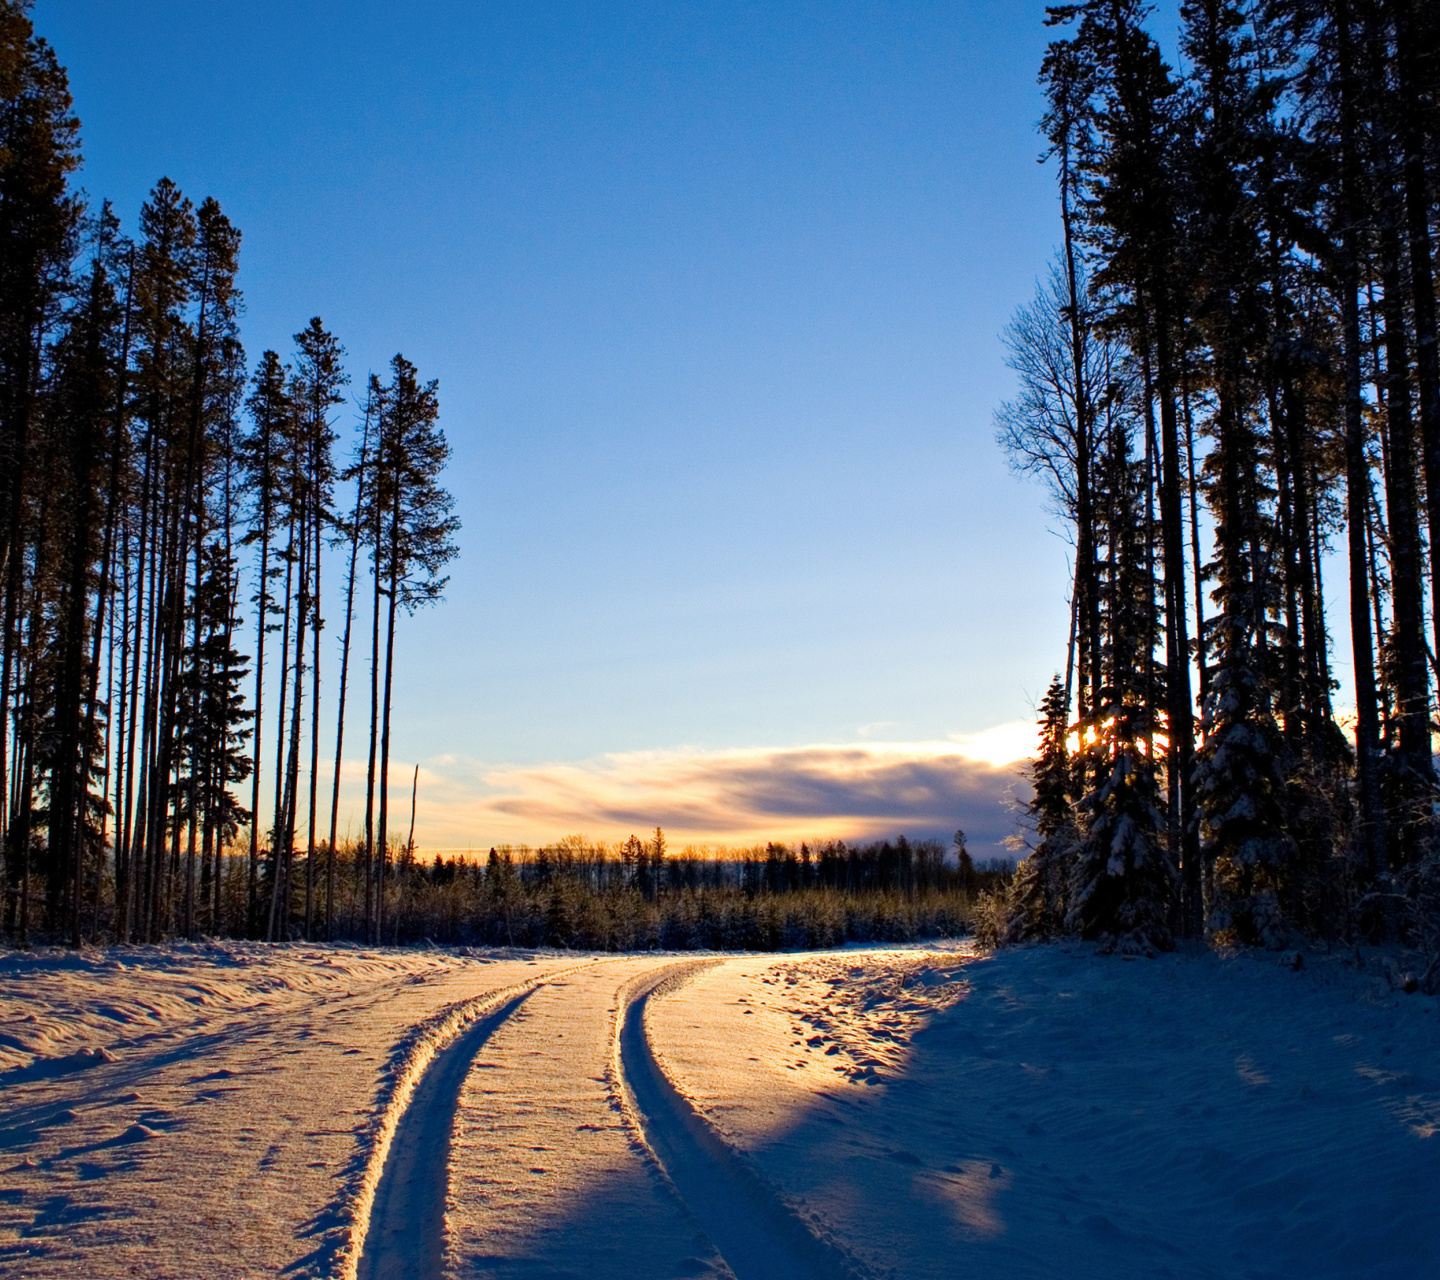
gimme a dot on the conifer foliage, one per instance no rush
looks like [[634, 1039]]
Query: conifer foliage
[[1248, 254], [153, 493]]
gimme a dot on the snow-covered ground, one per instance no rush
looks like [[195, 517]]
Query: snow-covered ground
[[1045, 1112], [241, 1110]]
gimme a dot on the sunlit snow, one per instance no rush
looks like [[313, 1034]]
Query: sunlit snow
[[242, 1110]]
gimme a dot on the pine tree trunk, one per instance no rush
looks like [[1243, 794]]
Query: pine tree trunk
[[121, 725], [126, 909], [344, 677], [374, 742], [292, 770], [1406, 557], [1357, 478], [1418, 207], [262, 609], [1201, 660], [1087, 595], [14, 554], [389, 674], [70, 772], [192, 780], [314, 717], [104, 594], [1181, 701], [277, 828]]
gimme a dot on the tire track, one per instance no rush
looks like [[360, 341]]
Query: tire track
[[398, 1230], [757, 1234]]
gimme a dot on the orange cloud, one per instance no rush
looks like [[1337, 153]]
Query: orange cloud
[[854, 791]]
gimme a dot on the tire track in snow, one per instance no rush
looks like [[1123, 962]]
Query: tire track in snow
[[757, 1234], [406, 1236], [398, 1208]]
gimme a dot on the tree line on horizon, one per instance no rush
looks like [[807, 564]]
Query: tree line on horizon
[[642, 895], [165, 513], [1231, 372]]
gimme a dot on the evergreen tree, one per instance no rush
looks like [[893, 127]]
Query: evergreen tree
[[1133, 208], [319, 378], [39, 223], [1040, 894], [415, 529], [77, 422], [1125, 881], [121, 472], [350, 529], [260, 457]]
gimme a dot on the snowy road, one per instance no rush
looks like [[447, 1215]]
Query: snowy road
[[756, 1232], [404, 1232], [249, 1111]]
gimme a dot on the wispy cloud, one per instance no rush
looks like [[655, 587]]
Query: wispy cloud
[[732, 797]]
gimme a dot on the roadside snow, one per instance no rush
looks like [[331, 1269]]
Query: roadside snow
[[227, 1126], [54, 1003], [1044, 1111]]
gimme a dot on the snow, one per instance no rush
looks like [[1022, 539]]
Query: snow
[[232, 1133], [246, 1110], [1061, 1112], [546, 1177]]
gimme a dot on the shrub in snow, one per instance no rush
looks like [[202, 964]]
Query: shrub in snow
[[1038, 897], [990, 916]]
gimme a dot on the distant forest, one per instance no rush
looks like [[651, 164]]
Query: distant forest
[[144, 677], [640, 895], [1230, 379]]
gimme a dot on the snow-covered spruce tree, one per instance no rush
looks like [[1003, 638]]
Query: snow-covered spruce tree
[[1134, 204], [1240, 792], [1124, 881], [1042, 880], [1238, 776]]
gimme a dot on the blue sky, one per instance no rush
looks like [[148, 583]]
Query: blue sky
[[713, 294]]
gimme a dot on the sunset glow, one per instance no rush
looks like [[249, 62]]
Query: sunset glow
[[735, 797]]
